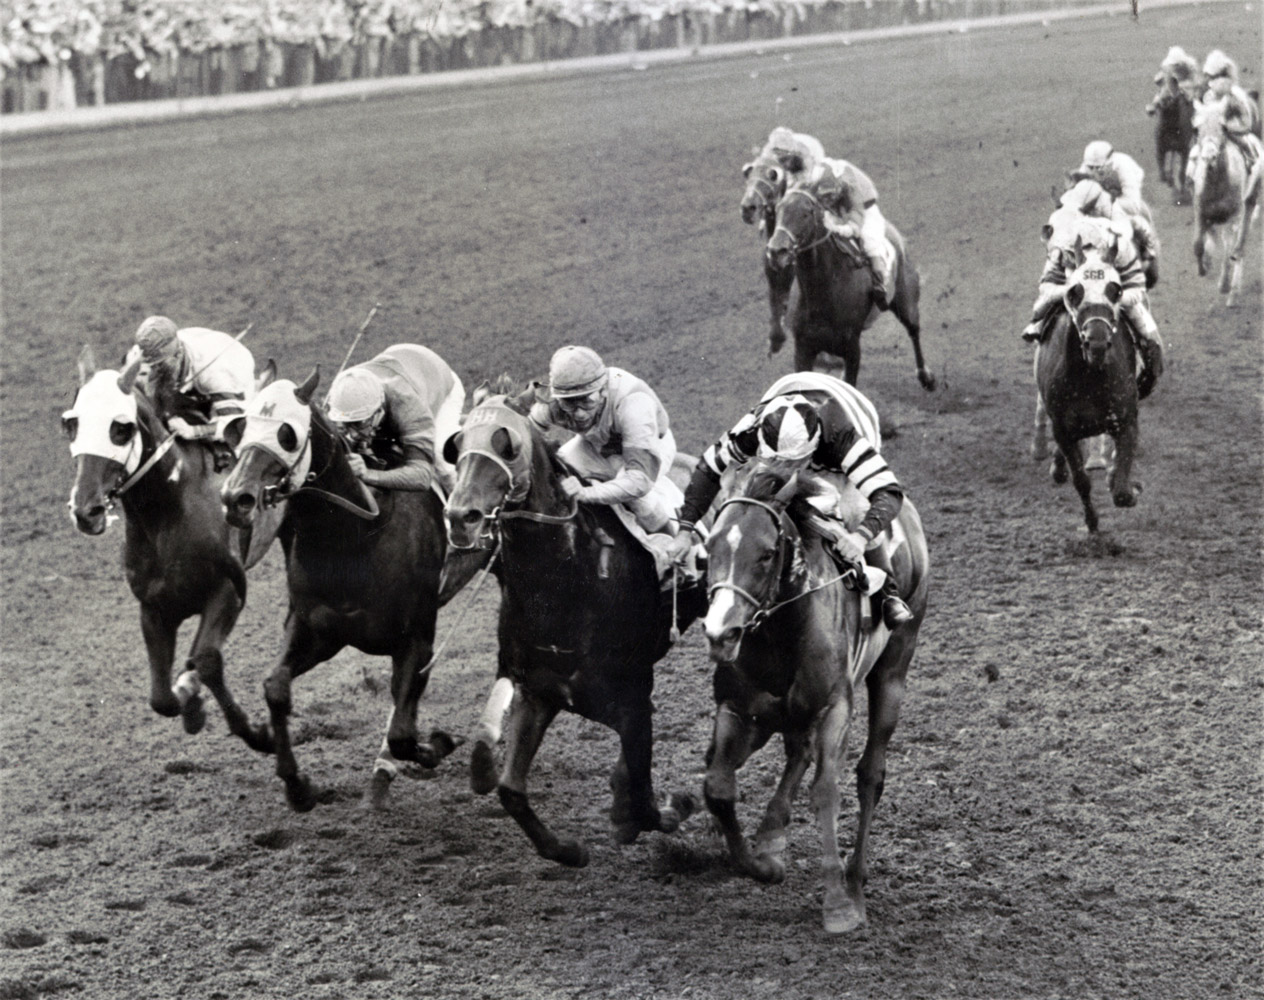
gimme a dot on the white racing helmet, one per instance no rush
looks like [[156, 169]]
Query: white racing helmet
[[576, 371], [789, 429], [1096, 154], [156, 337], [356, 395], [1218, 64]]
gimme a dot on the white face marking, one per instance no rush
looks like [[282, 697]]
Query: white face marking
[[717, 615], [175, 471], [734, 537]]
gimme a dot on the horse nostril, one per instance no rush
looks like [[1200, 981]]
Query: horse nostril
[[730, 635], [471, 517], [244, 503]]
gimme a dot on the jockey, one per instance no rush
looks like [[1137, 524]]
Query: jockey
[[209, 368], [1117, 172], [623, 443], [797, 152], [1110, 235], [1090, 198], [391, 410], [821, 428], [1241, 115], [1178, 73], [851, 201]]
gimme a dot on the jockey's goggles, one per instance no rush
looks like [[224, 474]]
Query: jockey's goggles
[[360, 431], [588, 401]]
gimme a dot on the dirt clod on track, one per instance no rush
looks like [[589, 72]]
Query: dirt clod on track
[[1072, 803]]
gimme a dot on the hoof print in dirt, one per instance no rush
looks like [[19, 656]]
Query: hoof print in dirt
[[252, 946], [126, 905], [86, 937], [23, 937], [183, 898], [273, 840], [190, 860]]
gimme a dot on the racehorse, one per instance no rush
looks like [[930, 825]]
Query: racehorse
[[180, 558], [1223, 207], [1173, 137], [1085, 375], [582, 620], [362, 569], [766, 182], [791, 644], [830, 306]]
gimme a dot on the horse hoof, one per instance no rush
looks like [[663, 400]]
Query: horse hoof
[[194, 715], [483, 775], [768, 869], [682, 804], [1058, 473], [379, 787], [168, 706], [927, 380], [625, 833], [1094, 464], [299, 794], [842, 919], [1125, 499], [571, 853], [1039, 452]]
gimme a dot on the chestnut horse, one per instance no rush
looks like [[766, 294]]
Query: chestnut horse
[[829, 305], [362, 569], [180, 558], [791, 645], [582, 618], [1223, 207], [766, 182]]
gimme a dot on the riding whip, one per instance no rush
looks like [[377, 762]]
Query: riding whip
[[242, 336], [363, 326]]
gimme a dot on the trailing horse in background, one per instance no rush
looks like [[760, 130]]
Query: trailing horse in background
[[180, 558], [362, 569], [1086, 377], [766, 182], [830, 304], [791, 645], [1223, 206], [1173, 136], [582, 618]]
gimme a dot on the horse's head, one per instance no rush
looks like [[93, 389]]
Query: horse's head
[[800, 226], [1209, 124], [493, 453], [104, 430], [747, 553], [1092, 301], [765, 184], [273, 443]]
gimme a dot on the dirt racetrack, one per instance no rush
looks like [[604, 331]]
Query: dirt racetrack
[[1073, 798]]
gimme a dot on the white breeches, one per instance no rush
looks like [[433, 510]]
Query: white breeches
[[652, 511]]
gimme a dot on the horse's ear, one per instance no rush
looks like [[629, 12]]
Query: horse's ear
[[305, 391], [1046, 232], [1074, 296], [1114, 291], [746, 170], [1056, 195], [127, 380], [86, 363], [267, 376], [787, 493], [452, 448]]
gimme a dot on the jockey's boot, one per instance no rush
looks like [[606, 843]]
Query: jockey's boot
[[895, 611], [1151, 272], [880, 281], [1151, 351]]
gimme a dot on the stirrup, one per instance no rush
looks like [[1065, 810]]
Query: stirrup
[[895, 611]]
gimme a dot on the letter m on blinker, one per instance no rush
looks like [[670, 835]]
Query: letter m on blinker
[[267, 410]]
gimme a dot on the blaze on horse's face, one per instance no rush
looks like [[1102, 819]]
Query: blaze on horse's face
[[103, 428], [1092, 302], [271, 439], [799, 215], [492, 455], [765, 184], [745, 555]]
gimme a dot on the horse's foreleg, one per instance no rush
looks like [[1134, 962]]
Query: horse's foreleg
[[733, 740], [908, 312], [483, 771], [1200, 247], [842, 910], [303, 651], [529, 718], [1070, 451], [770, 838], [1234, 259], [634, 808], [1040, 431], [159, 633], [779, 282], [1122, 489], [409, 676], [206, 664]]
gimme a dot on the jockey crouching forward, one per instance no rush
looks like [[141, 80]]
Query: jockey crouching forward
[[1178, 74], [821, 428], [851, 203], [1122, 178], [1113, 237], [209, 370], [797, 152], [623, 443], [1240, 113], [1090, 198], [391, 409]]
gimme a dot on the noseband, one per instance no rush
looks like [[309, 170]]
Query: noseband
[[519, 487]]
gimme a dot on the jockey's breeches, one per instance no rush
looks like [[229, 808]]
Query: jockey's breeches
[[654, 510], [1046, 295], [1135, 304]]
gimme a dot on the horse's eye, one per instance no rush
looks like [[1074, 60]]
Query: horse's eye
[[70, 427], [234, 431], [765, 558], [775, 175], [121, 432], [286, 438]]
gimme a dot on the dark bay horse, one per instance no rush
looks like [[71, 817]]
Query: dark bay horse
[[1173, 137], [180, 559], [582, 620], [1223, 207], [766, 182], [791, 645], [1087, 381], [829, 305], [362, 569]]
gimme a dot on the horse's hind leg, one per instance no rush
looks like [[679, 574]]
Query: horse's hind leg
[[634, 808], [843, 909], [159, 633], [529, 718], [1122, 489], [1040, 432], [770, 838], [733, 740], [908, 311], [483, 771], [304, 649], [1074, 458]]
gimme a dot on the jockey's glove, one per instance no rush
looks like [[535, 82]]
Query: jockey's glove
[[571, 486], [678, 548], [182, 429]]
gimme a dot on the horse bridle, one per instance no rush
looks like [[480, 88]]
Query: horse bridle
[[817, 207], [284, 488], [519, 487]]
